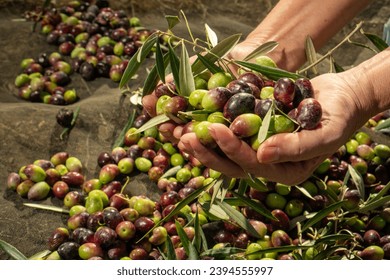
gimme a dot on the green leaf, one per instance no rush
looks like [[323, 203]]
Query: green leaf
[[242, 186], [238, 217], [304, 191], [213, 68], [380, 194], [357, 179], [40, 255], [262, 50], [152, 122], [172, 21], [175, 66], [171, 171], [222, 253], [215, 211], [211, 35], [187, 83], [160, 65], [256, 183], [47, 207], [311, 53], [322, 214], [264, 128], [219, 51], [378, 42], [121, 138], [187, 245], [152, 79], [257, 206], [137, 59], [374, 204], [331, 238], [171, 254], [270, 72], [12, 251], [384, 124]]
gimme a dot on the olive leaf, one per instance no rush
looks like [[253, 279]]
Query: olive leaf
[[304, 191], [257, 206], [332, 238], [47, 207], [159, 119], [171, 171], [171, 254], [160, 65], [264, 128], [374, 204], [214, 210], [120, 140], [213, 68], [256, 183], [172, 21], [311, 54], [187, 83], [12, 251], [270, 72], [200, 241], [322, 214], [137, 59], [238, 217], [383, 125], [187, 245], [217, 52], [357, 179], [40, 255], [378, 42], [380, 194], [262, 50], [152, 79], [242, 186], [211, 35], [222, 253], [174, 62]]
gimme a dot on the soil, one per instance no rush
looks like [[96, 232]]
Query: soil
[[29, 131]]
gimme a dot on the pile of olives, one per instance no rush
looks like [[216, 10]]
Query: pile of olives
[[92, 39]]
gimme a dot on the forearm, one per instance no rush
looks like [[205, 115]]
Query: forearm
[[291, 21], [371, 84]]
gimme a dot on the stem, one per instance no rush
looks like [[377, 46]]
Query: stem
[[346, 39]]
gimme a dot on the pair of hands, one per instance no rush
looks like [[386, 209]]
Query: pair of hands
[[288, 158]]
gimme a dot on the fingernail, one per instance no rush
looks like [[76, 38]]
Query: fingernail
[[269, 154], [188, 147]]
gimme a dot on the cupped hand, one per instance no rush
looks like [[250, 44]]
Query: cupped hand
[[288, 158]]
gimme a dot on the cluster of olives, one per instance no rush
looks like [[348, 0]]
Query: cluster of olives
[[241, 104], [42, 178], [44, 79], [93, 40]]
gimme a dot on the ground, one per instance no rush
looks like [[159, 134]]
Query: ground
[[28, 131]]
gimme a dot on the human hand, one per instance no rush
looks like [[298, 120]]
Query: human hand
[[288, 158]]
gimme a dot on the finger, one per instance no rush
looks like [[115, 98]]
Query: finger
[[235, 149], [290, 173], [149, 104], [167, 131], [190, 144], [299, 146]]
